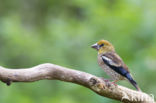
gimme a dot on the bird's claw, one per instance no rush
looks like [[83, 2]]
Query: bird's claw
[[108, 82], [105, 80], [114, 83]]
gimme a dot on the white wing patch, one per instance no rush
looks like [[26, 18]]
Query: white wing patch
[[110, 61]]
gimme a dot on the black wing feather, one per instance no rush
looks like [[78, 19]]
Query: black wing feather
[[121, 71], [118, 69]]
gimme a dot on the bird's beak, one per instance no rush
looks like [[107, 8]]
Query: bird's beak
[[95, 46]]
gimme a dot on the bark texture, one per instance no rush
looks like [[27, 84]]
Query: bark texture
[[55, 72]]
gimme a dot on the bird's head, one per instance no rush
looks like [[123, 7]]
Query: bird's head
[[103, 46]]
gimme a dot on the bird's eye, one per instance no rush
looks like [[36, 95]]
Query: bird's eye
[[101, 45]]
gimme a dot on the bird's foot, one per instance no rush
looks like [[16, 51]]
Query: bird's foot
[[105, 80], [114, 83]]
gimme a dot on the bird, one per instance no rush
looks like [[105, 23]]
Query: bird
[[112, 63]]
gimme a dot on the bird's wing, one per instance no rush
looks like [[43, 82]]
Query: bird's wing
[[112, 60]]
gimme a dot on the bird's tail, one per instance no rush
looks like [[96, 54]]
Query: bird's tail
[[132, 81]]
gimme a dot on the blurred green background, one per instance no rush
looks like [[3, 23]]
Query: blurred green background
[[61, 32]]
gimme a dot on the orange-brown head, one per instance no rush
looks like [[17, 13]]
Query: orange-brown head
[[103, 46]]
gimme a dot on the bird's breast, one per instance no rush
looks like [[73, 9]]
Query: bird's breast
[[114, 75]]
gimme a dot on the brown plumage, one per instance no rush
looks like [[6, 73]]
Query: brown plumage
[[112, 64], [116, 59], [116, 62]]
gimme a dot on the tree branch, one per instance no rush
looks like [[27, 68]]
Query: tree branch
[[55, 72]]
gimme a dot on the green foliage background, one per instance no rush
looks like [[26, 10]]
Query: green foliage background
[[61, 32]]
